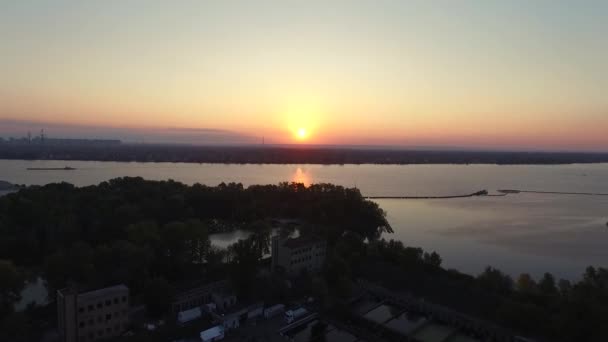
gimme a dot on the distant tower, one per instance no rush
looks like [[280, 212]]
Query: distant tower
[[29, 137], [42, 136]]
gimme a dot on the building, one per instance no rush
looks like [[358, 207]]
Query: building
[[294, 255], [93, 315], [197, 296], [223, 300], [238, 315]]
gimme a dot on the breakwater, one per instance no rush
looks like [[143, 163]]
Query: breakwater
[[475, 194], [511, 191]]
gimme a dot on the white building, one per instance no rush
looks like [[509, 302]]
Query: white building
[[223, 300], [92, 315], [294, 255]]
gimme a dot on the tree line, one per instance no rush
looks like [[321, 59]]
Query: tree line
[[546, 309], [148, 234]]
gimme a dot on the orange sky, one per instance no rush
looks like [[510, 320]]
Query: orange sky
[[514, 75]]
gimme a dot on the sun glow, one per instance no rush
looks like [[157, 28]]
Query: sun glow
[[303, 119], [301, 134]]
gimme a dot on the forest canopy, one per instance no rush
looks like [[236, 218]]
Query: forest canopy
[[38, 221]]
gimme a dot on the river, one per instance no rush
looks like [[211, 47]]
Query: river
[[527, 232]]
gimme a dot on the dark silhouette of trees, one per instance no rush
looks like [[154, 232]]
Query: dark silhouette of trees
[[495, 281], [158, 297], [547, 285], [11, 284], [151, 234], [542, 310]]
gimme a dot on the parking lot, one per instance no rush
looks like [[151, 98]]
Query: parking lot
[[260, 330]]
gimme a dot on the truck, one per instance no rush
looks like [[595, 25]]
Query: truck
[[213, 334], [186, 316], [274, 310], [292, 315]]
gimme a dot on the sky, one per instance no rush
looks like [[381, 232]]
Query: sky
[[482, 74]]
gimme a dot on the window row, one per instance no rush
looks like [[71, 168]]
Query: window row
[[302, 250], [91, 307], [100, 319], [109, 331], [299, 260]]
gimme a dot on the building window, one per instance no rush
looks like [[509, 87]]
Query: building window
[[91, 308], [100, 333], [99, 305], [116, 300], [81, 324], [108, 317], [108, 302], [81, 309], [124, 299]]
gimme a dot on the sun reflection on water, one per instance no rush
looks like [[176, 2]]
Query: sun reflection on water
[[302, 176]]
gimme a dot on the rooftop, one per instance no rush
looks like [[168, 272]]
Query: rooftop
[[104, 291], [301, 241]]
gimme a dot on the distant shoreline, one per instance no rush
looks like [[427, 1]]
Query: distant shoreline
[[289, 155]]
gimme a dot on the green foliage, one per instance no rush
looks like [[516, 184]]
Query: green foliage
[[547, 285], [11, 284], [525, 284], [16, 328], [245, 256], [318, 331], [40, 220], [543, 310], [495, 281], [158, 296], [129, 230]]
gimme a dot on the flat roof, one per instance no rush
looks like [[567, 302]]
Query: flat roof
[[212, 332], [104, 291], [301, 241]]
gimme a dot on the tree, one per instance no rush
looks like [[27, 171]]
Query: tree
[[547, 285], [158, 297], [317, 332], [564, 287], [495, 281], [244, 258], [432, 259], [11, 285], [525, 284], [15, 328]]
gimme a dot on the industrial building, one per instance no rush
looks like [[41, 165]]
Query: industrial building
[[92, 315], [294, 255]]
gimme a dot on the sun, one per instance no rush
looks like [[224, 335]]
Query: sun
[[301, 133]]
